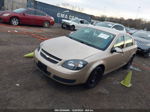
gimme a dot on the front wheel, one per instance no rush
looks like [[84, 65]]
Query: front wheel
[[95, 77], [14, 21], [72, 27], [46, 24]]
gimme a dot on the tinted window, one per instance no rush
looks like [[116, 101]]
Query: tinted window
[[120, 42], [128, 41], [118, 27], [31, 12], [93, 37], [38, 13]]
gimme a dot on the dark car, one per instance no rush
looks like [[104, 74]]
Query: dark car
[[143, 42], [26, 16]]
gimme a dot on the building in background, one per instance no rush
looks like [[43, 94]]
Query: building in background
[[58, 13], [14, 4], [1, 4]]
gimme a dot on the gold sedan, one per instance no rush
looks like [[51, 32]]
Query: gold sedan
[[84, 56]]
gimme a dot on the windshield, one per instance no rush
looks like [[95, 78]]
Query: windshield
[[19, 10], [93, 37], [145, 35], [103, 24]]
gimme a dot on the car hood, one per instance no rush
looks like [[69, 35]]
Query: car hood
[[66, 48], [66, 21]]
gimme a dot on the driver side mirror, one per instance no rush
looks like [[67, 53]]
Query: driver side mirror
[[117, 50], [24, 14]]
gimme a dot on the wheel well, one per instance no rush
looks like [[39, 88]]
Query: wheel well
[[14, 17], [102, 66]]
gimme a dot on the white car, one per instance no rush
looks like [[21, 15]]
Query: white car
[[74, 24], [112, 25]]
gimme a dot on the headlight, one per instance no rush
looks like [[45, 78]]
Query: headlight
[[74, 64], [7, 14]]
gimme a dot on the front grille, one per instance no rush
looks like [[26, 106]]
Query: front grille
[[49, 57]]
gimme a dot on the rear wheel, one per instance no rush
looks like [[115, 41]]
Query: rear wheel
[[72, 27], [46, 24], [14, 21], [95, 77]]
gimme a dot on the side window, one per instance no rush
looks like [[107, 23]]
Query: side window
[[118, 27], [120, 42], [128, 41], [30, 12], [86, 22], [38, 13]]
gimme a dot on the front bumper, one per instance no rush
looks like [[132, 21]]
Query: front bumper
[[4, 19], [59, 73]]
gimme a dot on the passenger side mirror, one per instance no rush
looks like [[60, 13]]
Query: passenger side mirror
[[116, 49]]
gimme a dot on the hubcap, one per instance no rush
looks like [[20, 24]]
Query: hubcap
[[46, 24], [15, 21]]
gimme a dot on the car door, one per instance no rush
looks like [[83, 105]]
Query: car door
[[40, 17], [28, 18], [82, 23], [129, 48], [116, 60]]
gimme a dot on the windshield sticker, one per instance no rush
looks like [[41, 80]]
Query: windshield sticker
[[104, 36]]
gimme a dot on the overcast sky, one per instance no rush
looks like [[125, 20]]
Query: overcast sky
[[116, 8]]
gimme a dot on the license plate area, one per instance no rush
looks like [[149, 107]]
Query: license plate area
[[43, 67]]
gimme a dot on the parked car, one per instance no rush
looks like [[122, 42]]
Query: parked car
[[85, 55], [131, 30], [74, 24], [26, 16], [112, 25], [143, 42]]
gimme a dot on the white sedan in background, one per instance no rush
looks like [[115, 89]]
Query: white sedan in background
[[74, 24]]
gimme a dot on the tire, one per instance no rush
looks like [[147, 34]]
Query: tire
[[72, 27], [62, 26], [14, 21], [147, 55], [127, 66], [94, 77], [46, 24]]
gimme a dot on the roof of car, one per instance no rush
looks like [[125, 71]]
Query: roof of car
[[112, 23], [113, 31]]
